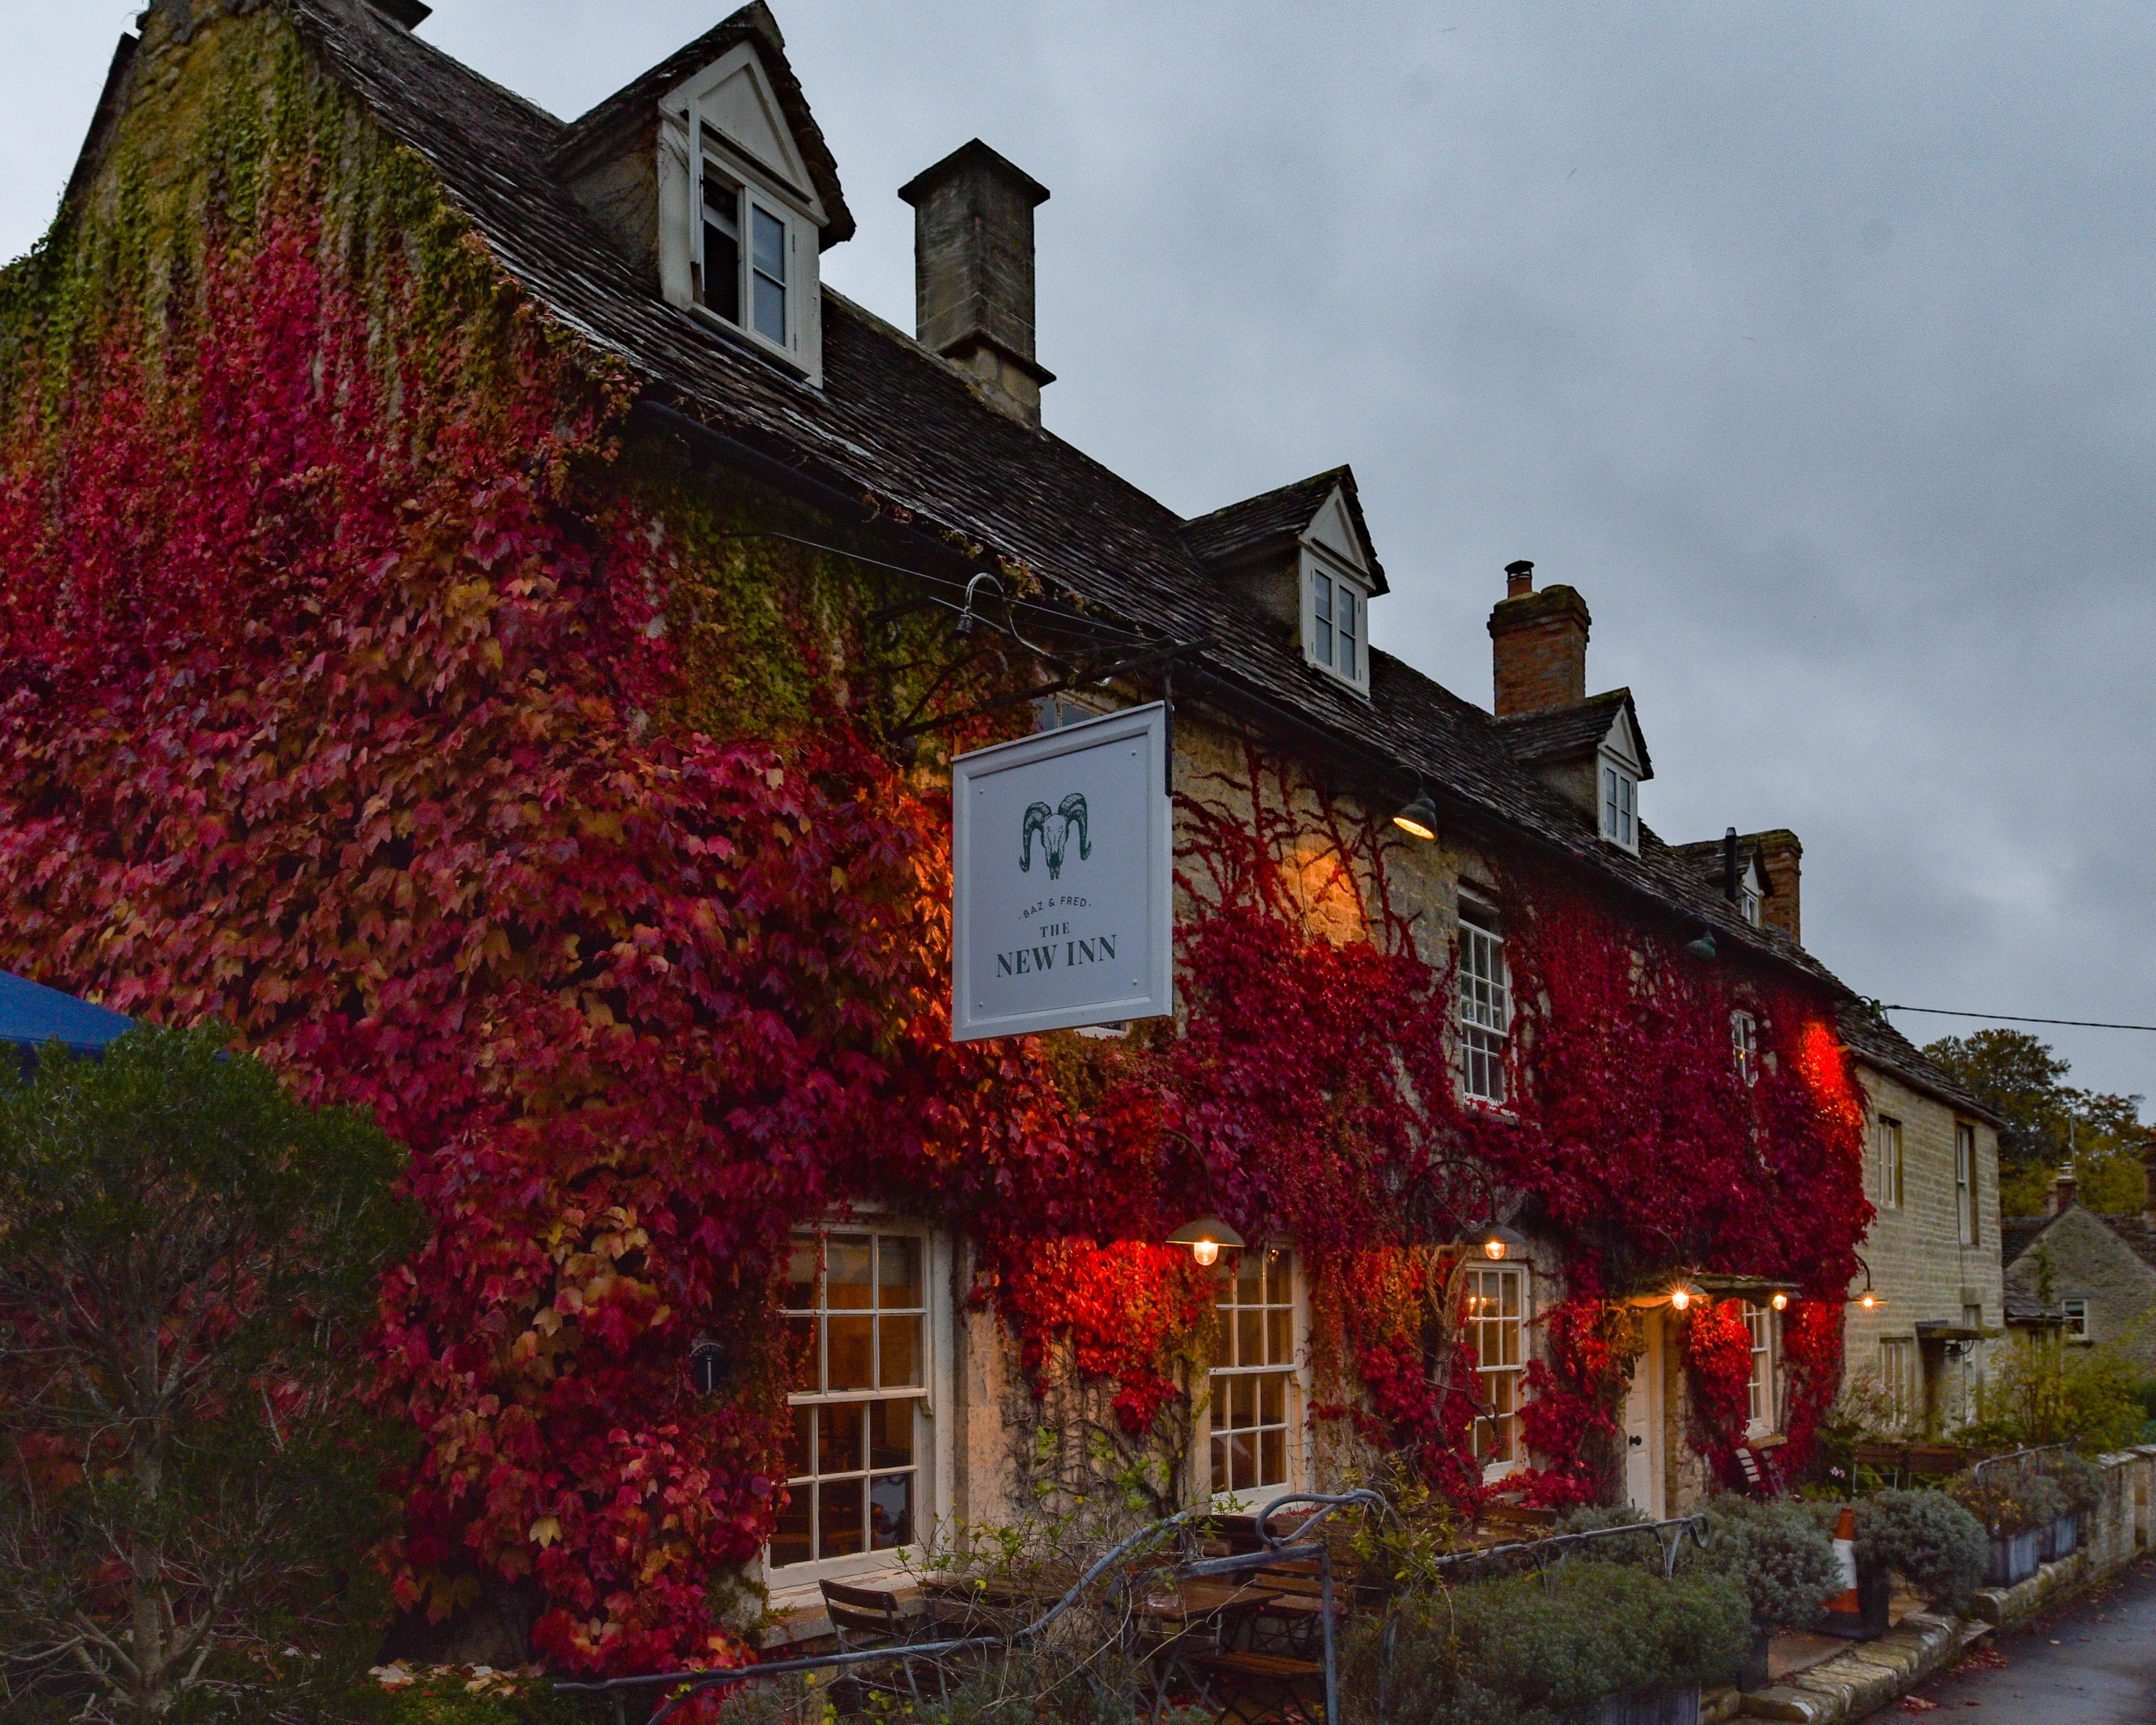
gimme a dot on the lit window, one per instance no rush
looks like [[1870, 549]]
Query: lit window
[[2077, 1329], [1759, 1325], [1495, 1328], [1965, 1182], [1745, 1046], [1899, 1378], [1253, 1394], [1620, 793], [1886, 1164], [857, 1333], [1486, 1005]]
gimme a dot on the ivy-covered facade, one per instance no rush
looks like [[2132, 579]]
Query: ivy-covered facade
[[449, 633]]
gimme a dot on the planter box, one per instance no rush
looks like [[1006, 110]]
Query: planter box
[[1679, 1707], [2062, 1537], [2013, 1558]]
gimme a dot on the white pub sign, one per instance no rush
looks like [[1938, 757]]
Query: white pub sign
[[1062, 882]]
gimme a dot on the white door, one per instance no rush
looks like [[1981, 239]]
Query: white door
[[1643, 1426]]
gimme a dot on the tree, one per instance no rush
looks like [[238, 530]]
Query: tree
[[2049, 1124], [188, 1258]]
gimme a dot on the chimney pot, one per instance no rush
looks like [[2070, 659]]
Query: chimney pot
[[1730, 871], [2062, 1194], [1519, 578], [973, 272]]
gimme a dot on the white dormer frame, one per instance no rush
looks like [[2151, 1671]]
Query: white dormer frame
[[1617, 772], [1750, 890], [1336, 586], [725, 126]]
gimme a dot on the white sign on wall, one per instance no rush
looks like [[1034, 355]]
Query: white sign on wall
[[1062, 908]]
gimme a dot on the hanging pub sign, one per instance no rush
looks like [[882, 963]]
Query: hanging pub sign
[[1062, 878]]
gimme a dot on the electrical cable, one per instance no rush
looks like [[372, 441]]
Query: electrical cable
[[2008, 1018]]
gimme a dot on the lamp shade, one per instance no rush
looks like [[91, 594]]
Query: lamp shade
[[1205, 1237], [1496, 1242], [1418, 818]]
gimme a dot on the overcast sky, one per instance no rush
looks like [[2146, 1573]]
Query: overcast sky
[[1813, 345]]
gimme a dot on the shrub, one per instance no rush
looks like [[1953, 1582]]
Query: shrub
[[1776, 1553], [1927, 1537], [1514, 1653], [2080, 1478]]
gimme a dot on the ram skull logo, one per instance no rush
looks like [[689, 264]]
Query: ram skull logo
[[1054, 825]]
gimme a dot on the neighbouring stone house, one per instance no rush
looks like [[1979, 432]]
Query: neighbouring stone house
[[482, 618], [2090, 1277]]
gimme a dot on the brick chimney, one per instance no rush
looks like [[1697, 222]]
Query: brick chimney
[[2062, 1194], [1538, 646], [1782, 857], [973, 273]]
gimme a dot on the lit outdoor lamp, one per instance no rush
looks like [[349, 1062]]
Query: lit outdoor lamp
[[1869, 1299], [1418, 817], [1780, 1303], [1205, 1237], [1688, 1293], [1496, 1242]]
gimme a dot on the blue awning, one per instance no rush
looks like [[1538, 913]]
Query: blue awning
[[32, 1015]]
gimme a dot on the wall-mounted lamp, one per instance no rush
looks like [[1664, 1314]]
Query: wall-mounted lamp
[[1869, 1299], [1780, 1303], [1418, 817], [1702, 947], [1686, 1295], [710, 1366], [1205, 1237], [1496, 1242]]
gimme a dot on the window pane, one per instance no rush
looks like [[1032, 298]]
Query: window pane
[[898, 1271], [801, 1276], [1244, 1403], [1219, 1464], [1324, 599], [846, 1272], [890, 1433], [1347, 633], [890, 1511], [770, 244], [1320, 635], [1244, 1450], [790, 1541], [770, 310], [847, 1356], [721, 272], [1278, 1338], [841, 1530], [1250, 1279], [839, 1438], [1272, 1398], [1250, 1337], [1272, 1458], [898, 1348], [801, 1354], [800, 1442]]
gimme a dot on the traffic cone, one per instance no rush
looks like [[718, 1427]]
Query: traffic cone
[[1845, 1611]]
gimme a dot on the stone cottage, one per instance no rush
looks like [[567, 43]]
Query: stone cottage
[[2094, 1275]]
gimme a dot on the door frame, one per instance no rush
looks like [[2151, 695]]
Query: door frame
[[1647, 1390]]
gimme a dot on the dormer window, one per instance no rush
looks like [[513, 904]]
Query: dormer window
[[742, 251], [1620, 804], [1747, 903]]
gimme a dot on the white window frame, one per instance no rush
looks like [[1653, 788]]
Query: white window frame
[[1618, 805], [1965, 1182], [932, 1463], [1888, 1169], [1483, 983], [1760, 1410], [1295, 1389], [1328, 586], [693, 145], [1901, 1376], [1498, 1384], [2076, 1308], [1747, 903], [1745, 1046]]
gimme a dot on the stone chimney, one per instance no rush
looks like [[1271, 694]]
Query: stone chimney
[[973, 273], [1782, 857], [2062, 1194], [1538, 646]]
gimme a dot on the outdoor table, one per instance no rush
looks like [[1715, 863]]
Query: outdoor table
[[1192, 1606]]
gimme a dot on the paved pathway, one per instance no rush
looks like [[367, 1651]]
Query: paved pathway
[[2095, 1664]]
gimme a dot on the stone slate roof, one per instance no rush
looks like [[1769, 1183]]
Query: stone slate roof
[[1704, 857], [1565, 733], [2019, 1310], [1872, 1039], [2017, 1233], [1272, 520], [895, 423]]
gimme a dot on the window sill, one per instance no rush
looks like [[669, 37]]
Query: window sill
[[748, 341], [796, 1601]]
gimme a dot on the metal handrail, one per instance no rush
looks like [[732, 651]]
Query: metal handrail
[[1976, 1473], [1278, 1549]]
